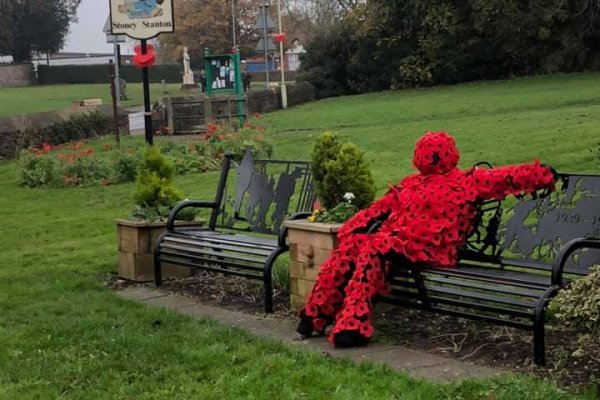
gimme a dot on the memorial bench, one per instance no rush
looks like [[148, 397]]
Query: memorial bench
[[522, 253], [243, 236]]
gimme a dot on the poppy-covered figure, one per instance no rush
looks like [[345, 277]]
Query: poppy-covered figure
[[425, 219]]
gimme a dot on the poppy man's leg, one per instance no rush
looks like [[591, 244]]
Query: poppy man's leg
[[326, 297], [353, 323]]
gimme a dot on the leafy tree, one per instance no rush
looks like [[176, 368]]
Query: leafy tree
[[35, 26], [395, 44], [207, 23], [325, 63]]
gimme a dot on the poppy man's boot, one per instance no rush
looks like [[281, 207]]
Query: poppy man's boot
[[353, 326], [305, 327], [326, 297], [347, 339]]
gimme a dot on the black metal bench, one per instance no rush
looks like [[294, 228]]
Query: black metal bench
[[243, 236], [522, 253]]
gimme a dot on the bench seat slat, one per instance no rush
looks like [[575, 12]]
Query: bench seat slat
[[481, 296], [186, 251], [172, 241], [491, 274], [496, 288], [411, 303], [433, 301], [253, 241], [206, 262], [235, 272], [429, 291]]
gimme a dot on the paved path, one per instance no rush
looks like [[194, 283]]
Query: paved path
[[418, 364]]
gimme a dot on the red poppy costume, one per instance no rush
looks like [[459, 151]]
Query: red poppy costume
[[426, 219]]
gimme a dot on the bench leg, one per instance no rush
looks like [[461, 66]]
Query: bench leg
[[539, 340], [268, 279], [268, 295], [157, 270]]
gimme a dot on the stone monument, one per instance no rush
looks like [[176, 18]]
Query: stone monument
[[188, 74]]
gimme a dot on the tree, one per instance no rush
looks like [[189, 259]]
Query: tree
[[6, 34], [208, 23], [35, 26]]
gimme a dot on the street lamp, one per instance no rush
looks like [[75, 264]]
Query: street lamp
[[282, 58]]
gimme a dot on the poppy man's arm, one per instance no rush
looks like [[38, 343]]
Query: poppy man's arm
[[497, 183], [364, 218]]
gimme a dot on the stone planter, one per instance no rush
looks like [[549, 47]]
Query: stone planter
[[310, 245], [136, 241]]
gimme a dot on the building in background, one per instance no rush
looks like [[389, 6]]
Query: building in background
[[293, 55]]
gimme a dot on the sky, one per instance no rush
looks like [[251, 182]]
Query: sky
[[86, 35]]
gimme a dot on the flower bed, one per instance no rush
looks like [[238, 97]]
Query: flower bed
[[78, 164]]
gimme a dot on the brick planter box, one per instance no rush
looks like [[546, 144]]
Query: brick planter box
[[310, 245], [136, 241]]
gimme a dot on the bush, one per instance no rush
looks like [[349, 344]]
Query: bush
[[339, 169], [220, 140], [579, 305], [37, 171], [72, 165], [155, 194], [87, 171], [125, 167], [349, 172], [77, 127], [326, 148], [325, 63]]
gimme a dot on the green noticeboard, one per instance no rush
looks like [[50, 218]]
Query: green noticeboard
[[223, 73], [224, 76]]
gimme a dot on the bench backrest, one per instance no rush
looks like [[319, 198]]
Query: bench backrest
[[534, 229], [257, 195]]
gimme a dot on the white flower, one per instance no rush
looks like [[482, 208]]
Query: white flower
[[349, 196]]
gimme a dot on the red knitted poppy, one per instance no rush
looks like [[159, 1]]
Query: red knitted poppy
[[425, 218]]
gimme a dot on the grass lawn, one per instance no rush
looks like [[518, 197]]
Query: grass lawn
[[16, 101], [65, 336], [32, 99]]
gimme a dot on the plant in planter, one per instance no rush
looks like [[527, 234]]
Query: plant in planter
[[154, 196], [343, 184], [343, 180]]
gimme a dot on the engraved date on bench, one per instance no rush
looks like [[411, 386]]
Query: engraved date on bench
[[568, 218]]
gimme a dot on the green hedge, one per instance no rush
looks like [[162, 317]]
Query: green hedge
[[49, 75]]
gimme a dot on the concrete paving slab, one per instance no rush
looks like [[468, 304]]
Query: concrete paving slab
[[140, 293], [418, 364]]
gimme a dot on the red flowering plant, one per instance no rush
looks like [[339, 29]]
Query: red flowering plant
[[59, 165], [220, 139]]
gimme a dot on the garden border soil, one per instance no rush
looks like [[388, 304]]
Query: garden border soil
[[573, 364]]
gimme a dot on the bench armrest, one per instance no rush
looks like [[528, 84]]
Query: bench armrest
[[565, 253], [283, 231], [187, 204]]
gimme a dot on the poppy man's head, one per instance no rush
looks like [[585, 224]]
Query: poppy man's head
[[436, 153]]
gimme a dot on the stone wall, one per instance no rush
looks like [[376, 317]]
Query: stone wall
[[264, 101], [16, 75], [186, 115]]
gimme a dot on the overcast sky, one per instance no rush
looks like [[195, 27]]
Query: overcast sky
[[86, 35]]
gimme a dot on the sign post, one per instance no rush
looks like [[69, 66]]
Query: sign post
[[114, 92], [115, 40], [143, 20], [265, 45]]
